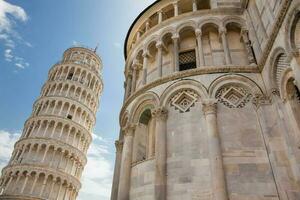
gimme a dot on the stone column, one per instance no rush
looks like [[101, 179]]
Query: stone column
[[175, 39], [159, 47], [175, 5], [195, 6], [160, 115], [223, 33], [115, 186], [145, 63], [128, 84], [34, 182], [215, 152], [248, 46], [200, 47], [125, 173], [136, 68], [160, 16], [25, 183]]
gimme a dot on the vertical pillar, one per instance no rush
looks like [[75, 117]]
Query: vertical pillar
[[51, 188], [200, 47], [136, 69], [159, 58], [160, 115], [7, 187], [25, 183], [175, 39], [222, 33], [43, 186], [115, 186], [248, 46], [215, 152], [125, 173], [147, 25], [34, 183], [175, 5], [128, 84], [195, 6], [145, 63], [59, 189], [160, 16]]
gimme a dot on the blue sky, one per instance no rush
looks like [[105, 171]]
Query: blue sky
[[33, 36]]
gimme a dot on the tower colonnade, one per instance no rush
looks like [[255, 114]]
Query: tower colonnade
[[49, 158]]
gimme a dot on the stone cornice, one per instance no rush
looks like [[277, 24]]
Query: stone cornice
[[276, 28], [188, 73]]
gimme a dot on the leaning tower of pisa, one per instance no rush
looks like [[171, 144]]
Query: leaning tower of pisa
[[48, 160]]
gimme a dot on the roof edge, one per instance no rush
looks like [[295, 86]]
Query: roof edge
[[132, 25]]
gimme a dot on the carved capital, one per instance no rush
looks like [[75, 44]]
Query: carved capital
[[275, 92], [209, 106], [198, 32], [129, 129], [222, 31], [175, 36], [119, 145], [159, 45], [260, 99], [160, 113]]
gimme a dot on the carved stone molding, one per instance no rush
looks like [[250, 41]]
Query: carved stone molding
[[260, 99], [119, 145], [129, 129], [184, 100], [233, 96], [188, 73], [160, 113], [209, 106]]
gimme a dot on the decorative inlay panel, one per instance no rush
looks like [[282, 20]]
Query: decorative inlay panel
[[184, 100], [233, 96]]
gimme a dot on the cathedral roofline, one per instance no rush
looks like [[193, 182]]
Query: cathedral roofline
[[132, 25]]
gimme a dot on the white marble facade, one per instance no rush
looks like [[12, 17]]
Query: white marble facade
[[212, 102]]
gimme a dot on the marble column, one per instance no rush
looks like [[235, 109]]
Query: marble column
[[223, 36], [115, 186], [160, 116], [215, 152], [200, 47], [195, 6], [175, 39], [136, 68], [128, 84], [125, 173], [34, 183], [175, 5], [159, 47], [248, 46], [145, 63], [160, 16], [24, 184]]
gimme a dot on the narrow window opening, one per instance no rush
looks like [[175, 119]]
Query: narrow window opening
[[70, 76], [69, 116], [187, 60]]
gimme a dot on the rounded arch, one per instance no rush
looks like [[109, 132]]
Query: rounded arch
[[187, 24], [292, 17], [234, 20], [233, 79], [212, 21], [182, 85], [153, 39], [148, 100], [165, 32], [287, 76], [278, 62]]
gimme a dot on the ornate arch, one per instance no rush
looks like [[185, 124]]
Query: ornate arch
[[287, 75], [148, 100], [166, 31], [180, 86], [278, 55], [213, 20], [234, 90], [187, 24], [234, 19], [291, 17]]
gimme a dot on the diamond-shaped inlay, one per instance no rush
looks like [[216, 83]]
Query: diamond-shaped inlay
[[233, 97], [184, 100]]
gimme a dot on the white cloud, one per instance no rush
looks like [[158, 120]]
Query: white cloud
[[97, 175], [7, 141], [9, 15]]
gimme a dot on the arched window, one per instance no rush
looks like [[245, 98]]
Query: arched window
[[187, 54], [144, 137], [295, 32]]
